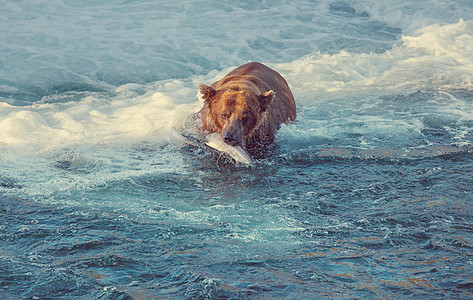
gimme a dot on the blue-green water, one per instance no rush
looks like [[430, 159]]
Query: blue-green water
[[107, 192]]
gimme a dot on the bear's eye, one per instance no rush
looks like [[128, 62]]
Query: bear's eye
[[245, 117], [224, 115]]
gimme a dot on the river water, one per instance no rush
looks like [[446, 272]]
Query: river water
[[107, 192]]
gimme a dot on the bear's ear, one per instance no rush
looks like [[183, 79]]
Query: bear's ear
[[206, 91], [266, 99]]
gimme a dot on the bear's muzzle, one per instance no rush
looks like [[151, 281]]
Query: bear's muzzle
[[232, 132]]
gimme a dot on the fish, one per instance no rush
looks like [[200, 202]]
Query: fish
[[238, 153]]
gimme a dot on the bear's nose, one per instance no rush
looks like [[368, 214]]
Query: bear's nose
[[230, 139]]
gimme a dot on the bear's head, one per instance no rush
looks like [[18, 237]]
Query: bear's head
[[235, 113]]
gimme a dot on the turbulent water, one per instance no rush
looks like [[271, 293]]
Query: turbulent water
[[108, 192]]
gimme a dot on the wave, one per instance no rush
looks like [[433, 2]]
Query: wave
[[435, 58], [97, 118]]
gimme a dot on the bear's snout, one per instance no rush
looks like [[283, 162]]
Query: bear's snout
[[232, 133]]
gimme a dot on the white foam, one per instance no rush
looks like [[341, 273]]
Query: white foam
[[340, 96], [98, 118], [436, 57], [71, 147]]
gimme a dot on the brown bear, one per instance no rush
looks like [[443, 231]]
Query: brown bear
[[247, 107]]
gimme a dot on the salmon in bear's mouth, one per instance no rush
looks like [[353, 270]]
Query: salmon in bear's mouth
[[238, 152]]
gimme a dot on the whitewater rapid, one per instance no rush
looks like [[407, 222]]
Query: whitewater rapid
[[435, 58]]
